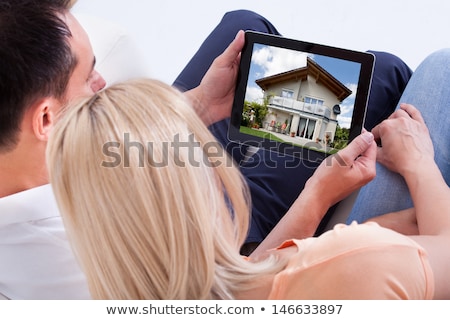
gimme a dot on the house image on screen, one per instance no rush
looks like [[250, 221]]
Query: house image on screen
[[304, 103]]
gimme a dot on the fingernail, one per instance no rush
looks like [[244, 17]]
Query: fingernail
[[367, 136]]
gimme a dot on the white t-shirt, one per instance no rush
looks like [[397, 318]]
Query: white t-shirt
[[36, 259]]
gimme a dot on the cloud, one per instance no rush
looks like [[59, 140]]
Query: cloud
[[273, 60], [345, 118], [254, 94], [347, 107], [344, 122], [352, 87]]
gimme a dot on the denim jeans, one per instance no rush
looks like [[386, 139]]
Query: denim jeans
[[428, 90]]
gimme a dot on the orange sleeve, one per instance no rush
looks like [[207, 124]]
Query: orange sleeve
[[356, 262]]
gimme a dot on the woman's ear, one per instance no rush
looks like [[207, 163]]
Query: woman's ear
[[44, 117]]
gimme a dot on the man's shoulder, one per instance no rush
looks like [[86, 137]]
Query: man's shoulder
[[31, 216], [30, 205], [37, 260]]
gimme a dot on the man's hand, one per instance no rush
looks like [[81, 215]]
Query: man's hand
[[213, 98], [405, 141], [346, 171]]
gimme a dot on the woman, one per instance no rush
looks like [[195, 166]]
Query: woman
[[155, 210]]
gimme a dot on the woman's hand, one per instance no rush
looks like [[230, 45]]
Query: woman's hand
[[335, 178], [213, 98], [346, 171], [405, 141]]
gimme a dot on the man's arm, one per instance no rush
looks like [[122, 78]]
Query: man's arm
[[407, 149]]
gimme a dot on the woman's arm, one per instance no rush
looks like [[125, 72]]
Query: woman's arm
[[335, 178]]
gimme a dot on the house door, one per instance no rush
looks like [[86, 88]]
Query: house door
[[306, 128]]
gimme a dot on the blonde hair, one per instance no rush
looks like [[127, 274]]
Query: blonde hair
[[165, 227]]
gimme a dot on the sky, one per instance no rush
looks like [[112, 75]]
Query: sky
[[169, 32]]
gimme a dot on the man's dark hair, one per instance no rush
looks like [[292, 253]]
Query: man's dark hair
[[36, 60]]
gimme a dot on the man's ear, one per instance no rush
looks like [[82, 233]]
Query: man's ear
[[44, 117]]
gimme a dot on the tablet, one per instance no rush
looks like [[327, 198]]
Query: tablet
[[299, 98]]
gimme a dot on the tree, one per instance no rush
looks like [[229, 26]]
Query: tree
[[260, 111], [341, 137]]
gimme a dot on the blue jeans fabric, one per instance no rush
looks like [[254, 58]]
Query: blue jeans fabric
[[428, 91], [276, 180]]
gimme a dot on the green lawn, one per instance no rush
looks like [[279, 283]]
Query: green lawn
[[258, 133], [268, 135]]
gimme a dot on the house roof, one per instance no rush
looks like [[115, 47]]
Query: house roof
[[313, 69]]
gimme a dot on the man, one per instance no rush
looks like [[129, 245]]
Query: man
[[47, 60]]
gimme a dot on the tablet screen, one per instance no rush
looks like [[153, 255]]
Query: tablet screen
[[303, 99]]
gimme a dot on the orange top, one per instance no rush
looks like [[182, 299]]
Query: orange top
[[359, 261]]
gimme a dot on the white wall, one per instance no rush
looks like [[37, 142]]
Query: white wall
[[170, 31]]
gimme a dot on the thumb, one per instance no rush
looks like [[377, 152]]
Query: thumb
[[233, 51], [357, 147]]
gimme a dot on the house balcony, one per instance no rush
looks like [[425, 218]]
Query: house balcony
[[293, 105]]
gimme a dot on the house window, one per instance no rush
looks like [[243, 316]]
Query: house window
[[306, 128], [285, 93], [313, 101]]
